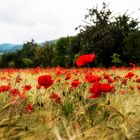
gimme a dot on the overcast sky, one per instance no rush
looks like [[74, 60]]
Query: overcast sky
[[41, 20]]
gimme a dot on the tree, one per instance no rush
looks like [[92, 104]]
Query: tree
[[104, 34], [132, 47], [28, 50], [96, 35], [6, 58], [63, 54], [28, 62], [116, 59], [11, 64], [44, 55]]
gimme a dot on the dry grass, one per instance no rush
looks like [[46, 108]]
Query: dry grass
[[113, 116]]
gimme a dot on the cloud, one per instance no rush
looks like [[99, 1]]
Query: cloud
[[22, 20]]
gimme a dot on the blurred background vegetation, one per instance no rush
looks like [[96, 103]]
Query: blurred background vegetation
[[114, 39]]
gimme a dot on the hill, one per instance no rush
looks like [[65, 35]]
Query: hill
[[7, 47]]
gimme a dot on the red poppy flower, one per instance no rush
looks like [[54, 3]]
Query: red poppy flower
[[19, 79], [55, 97], [45, 80], [111, 80], [124, 81], [97, 89], [28, 108], [85, 59], [129, 75], [132, 87], [68, 76], [38, 86], [75, 83], [92, 78], [138, 87], [138, 80], [106, 87], [130, 63], [106, 76], [15, 92], [4, 88], [59, 72], [27, 87]]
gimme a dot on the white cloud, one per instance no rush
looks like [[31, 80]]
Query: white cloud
[[22, 20]]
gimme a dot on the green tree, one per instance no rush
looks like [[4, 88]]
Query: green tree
[[104, 34], [116, 59], [6, 58], [44, 55], [28, 62], [63, 53], [28, 50], [132, 47], [11, 64]]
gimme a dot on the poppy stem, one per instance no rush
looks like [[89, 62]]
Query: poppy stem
[[108, 99]]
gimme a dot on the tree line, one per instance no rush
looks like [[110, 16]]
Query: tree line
[[114, 39]]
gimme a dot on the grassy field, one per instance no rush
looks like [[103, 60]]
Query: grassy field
[[74, 104]]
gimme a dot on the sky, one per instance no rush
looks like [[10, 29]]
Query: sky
[[43, 20]]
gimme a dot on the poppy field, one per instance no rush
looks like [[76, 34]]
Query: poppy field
[[70, 104]]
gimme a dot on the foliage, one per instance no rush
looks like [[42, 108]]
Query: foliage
[[63, 53], [7, 58], [11, 64], [27, 62], [44, 55], [132, 46], [102, 34], [116, 59], [105, 34]]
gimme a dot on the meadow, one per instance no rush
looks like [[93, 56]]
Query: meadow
[[70, 104]]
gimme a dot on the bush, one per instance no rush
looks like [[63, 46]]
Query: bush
[[27, 62]]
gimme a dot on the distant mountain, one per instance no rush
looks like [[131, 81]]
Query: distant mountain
[[7, 47], [51, 42]]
